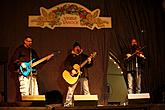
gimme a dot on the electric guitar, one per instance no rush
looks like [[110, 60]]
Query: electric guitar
[[26, 71], [72, 79]]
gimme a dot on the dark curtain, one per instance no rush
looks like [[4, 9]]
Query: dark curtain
[[142, 19]]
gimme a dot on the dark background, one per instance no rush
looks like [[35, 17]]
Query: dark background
[[142, 19]]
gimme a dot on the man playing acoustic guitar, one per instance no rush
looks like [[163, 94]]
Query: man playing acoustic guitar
[[76, 64]]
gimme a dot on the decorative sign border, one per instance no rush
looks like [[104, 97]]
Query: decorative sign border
[[69, 15]]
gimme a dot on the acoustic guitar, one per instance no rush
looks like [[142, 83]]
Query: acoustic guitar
[[72, 79]]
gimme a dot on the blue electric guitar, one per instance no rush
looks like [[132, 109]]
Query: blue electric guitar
[[26, 71]]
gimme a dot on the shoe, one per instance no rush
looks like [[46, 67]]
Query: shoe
[[68, 105]]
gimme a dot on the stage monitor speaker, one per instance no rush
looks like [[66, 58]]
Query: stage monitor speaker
[[141, 98], [117, 88], [33, 98], [54, 97], [85, 100]]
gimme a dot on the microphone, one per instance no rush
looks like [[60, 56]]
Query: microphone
[[142, 31], [57, 51]]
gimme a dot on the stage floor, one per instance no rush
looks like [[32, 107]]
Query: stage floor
[[107, 107]]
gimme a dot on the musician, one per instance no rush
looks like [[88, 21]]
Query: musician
[[135, 65], [25, 85], [77, 56]]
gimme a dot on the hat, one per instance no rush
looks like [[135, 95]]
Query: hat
[[76, 44]]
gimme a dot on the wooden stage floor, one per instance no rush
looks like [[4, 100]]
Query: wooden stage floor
[[107, 107]]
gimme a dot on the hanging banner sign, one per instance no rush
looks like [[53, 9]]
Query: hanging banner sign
[[69, 15]]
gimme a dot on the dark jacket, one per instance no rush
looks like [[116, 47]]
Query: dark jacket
[[21, 54], [135, 61]]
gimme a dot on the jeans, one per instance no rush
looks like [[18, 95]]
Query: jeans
[[134, 81], [71, 88], [28, 85]]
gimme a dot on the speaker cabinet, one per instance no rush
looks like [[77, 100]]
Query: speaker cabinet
[[141, 98], [33, 98], [85, 100]]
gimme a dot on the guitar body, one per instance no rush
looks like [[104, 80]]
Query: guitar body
[[69, 78], [26, 71]]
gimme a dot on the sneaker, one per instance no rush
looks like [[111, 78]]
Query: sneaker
[[68, 105]]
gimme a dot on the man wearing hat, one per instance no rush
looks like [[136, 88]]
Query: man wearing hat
[[77, 57]]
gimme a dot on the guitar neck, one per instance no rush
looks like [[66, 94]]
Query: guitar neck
[[41, 60], [86, 61]]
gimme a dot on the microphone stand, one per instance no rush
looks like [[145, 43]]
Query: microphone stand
[[31, 74], [137, 69]]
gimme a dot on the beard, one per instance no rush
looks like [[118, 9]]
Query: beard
[[78, 51], [134, 48]]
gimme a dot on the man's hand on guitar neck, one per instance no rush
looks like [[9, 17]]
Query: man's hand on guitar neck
[[89, 60]]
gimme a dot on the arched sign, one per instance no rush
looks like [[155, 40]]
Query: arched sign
[[69, 15]]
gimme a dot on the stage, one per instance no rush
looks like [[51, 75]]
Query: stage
[[14, 106], [82, 102]]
